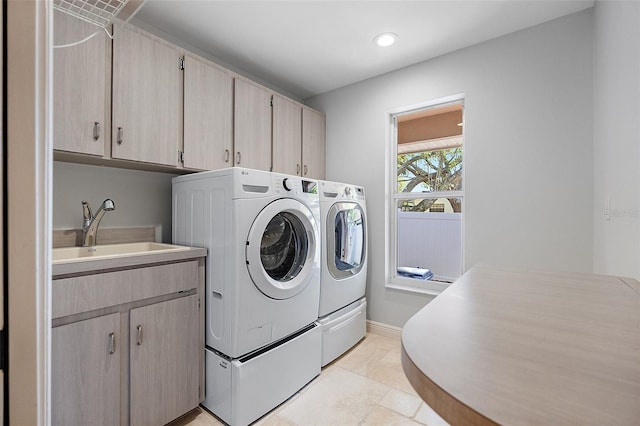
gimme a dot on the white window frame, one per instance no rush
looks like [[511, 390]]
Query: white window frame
[[393, 280]]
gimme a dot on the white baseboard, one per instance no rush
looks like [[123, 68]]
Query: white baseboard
[[384, 330]]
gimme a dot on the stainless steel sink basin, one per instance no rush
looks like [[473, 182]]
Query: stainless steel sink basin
[[78, 254]]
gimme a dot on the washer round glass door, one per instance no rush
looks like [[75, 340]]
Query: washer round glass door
[[281, 247]]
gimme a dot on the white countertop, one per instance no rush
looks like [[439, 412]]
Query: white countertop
[[91, 265]]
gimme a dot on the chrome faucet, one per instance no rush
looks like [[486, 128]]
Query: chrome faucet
[[90, 222]]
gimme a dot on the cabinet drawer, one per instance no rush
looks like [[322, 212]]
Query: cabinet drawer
[[86, 293]]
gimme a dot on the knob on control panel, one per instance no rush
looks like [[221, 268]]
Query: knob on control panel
[[286, 185]]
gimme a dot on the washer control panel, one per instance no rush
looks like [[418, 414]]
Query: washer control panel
[[293, 185], [309, 186], [286, 184]]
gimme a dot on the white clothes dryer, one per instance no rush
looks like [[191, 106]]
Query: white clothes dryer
[[344, 245], [261, 230], [343, 278]]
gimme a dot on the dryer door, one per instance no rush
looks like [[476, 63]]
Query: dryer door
[[281, 247], [346, 239]]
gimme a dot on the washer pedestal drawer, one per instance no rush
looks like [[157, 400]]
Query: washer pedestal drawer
[[342, 329], [240, 391]]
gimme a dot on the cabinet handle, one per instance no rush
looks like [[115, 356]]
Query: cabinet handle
[[119, 136], [140, 335], [112, 343], [305, 170], [298, 169], [226, 155], [96, 131], [238, 157]]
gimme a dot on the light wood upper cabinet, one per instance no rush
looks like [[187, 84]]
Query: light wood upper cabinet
[[85, 372], [80, 86], [147, 104], [164, 355], [208, 115], [130, 99], [299, 139], [313, 144], [287, 136], [252, 126]]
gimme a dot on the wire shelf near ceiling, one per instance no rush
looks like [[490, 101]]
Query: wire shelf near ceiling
[[97, 12]]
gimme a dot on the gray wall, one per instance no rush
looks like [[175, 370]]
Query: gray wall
[[141, 198], [528, 155], [539, 163], [617, 138]]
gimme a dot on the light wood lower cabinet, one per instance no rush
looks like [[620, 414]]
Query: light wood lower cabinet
[[128, 345], [85, 372], [164, 361]]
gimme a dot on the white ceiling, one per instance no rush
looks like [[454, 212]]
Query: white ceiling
[[311, 47]]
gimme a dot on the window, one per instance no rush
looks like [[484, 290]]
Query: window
[[426, 203]]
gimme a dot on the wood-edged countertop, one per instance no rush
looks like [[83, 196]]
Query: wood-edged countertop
[[511, 347]]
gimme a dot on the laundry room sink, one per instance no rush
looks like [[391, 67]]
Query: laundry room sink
[[76, 254]]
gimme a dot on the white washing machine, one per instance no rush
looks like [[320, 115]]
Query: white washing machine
[[343, 278], [261, 230]]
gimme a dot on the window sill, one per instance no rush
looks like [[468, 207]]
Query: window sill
[[432, 290]]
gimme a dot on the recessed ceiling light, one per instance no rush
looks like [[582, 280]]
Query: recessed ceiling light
[[385, 39]]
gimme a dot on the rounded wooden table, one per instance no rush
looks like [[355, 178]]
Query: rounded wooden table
[[510, 347]]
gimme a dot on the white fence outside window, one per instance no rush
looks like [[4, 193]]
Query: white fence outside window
[[432, 241]]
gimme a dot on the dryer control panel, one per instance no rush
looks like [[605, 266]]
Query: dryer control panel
[[334, 191], [353, 193]]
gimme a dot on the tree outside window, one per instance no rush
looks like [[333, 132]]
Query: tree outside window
[[430, 171]]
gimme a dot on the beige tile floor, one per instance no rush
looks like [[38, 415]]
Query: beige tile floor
[[365, 386]]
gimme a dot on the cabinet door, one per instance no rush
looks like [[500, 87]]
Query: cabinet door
[[164, 361], [147, 109], [79, 86], [287, 136], [252, 126], [208, 116], [313, 144], [85, 372]]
